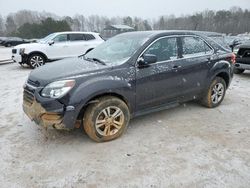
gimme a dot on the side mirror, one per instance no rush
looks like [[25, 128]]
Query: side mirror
[[51, 42], [147, 59]]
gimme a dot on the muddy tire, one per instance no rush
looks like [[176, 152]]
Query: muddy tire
[[238, 71], [36, 60], [215, 93], [106, 119]]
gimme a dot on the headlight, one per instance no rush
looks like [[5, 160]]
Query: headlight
[[58, 89], [21, 51]]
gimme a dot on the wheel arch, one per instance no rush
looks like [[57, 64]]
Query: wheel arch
[[225, 77], [94, 98], [38, 52]]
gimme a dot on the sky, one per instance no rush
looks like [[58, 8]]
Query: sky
[[140, 8]]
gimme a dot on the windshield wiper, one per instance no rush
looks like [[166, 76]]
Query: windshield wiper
[[93, 59], [99, 61]]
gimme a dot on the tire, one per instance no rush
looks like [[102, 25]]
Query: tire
[[238, 71], [8, 45], [215, 93], [36, 60], [102, 111]]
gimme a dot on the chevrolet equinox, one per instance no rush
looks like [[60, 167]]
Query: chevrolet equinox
[[129, 75]]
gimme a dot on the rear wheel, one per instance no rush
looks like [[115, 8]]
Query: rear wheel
[[238, 71], [36, 60], [107, 119], [215, 93]]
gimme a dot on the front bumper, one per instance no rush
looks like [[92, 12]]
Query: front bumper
[[242, 63], [242, 66], [16, 58], [41, 117], [21, 59], [48, 112]]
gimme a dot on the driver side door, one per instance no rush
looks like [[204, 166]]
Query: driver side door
[[159, 83], [60, 48]]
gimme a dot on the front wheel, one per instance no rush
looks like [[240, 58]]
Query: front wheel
[[107, 119], [215, 93], [8, 45], [36, 60]]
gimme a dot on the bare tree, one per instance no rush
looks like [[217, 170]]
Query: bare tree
[[10, 25], [1, 26]]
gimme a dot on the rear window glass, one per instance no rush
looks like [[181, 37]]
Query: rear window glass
[[89, 37], [76, 37], [194, 46]]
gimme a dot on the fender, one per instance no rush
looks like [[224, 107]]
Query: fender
[[223, 68], [95, 87], [38, 52]]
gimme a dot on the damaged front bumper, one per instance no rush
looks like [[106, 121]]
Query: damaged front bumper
[[41, 117], [48, 112]]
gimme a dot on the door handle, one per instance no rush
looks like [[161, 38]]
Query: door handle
[[176, 67]]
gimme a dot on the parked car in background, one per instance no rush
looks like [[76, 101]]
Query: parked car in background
[[13, 41], [2, 39], [242, 59], [129, 75], [54, 47]]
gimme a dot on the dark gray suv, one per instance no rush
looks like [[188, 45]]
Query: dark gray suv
[[129, 75]]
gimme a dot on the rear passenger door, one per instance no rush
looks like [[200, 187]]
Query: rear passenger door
[[194, 65]]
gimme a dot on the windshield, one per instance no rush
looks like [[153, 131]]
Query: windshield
[[119, 49], [47, 38]]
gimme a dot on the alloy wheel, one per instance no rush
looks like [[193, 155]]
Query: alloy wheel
[[109, 121], [217, 93], [36, 61]]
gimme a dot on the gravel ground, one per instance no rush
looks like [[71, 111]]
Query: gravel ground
[[187, 146]]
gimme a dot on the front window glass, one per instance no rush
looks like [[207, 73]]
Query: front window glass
[[60, 38], [194, 46], [48, 38], [118, 49], [164, 49]]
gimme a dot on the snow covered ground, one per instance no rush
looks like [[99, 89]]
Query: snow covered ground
[[187, 146]]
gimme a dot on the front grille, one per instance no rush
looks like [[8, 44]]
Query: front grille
[[28, 97], [14, 51]]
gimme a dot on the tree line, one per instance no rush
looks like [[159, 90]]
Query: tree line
[[33, 24]]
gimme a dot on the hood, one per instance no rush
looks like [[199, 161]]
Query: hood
[[65, 69], [245, 45], [27, 45]]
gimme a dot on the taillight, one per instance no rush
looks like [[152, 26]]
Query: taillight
[[233, 58]]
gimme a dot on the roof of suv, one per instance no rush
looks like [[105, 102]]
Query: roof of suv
[[178, 32], [204, 34], [76, 32]]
